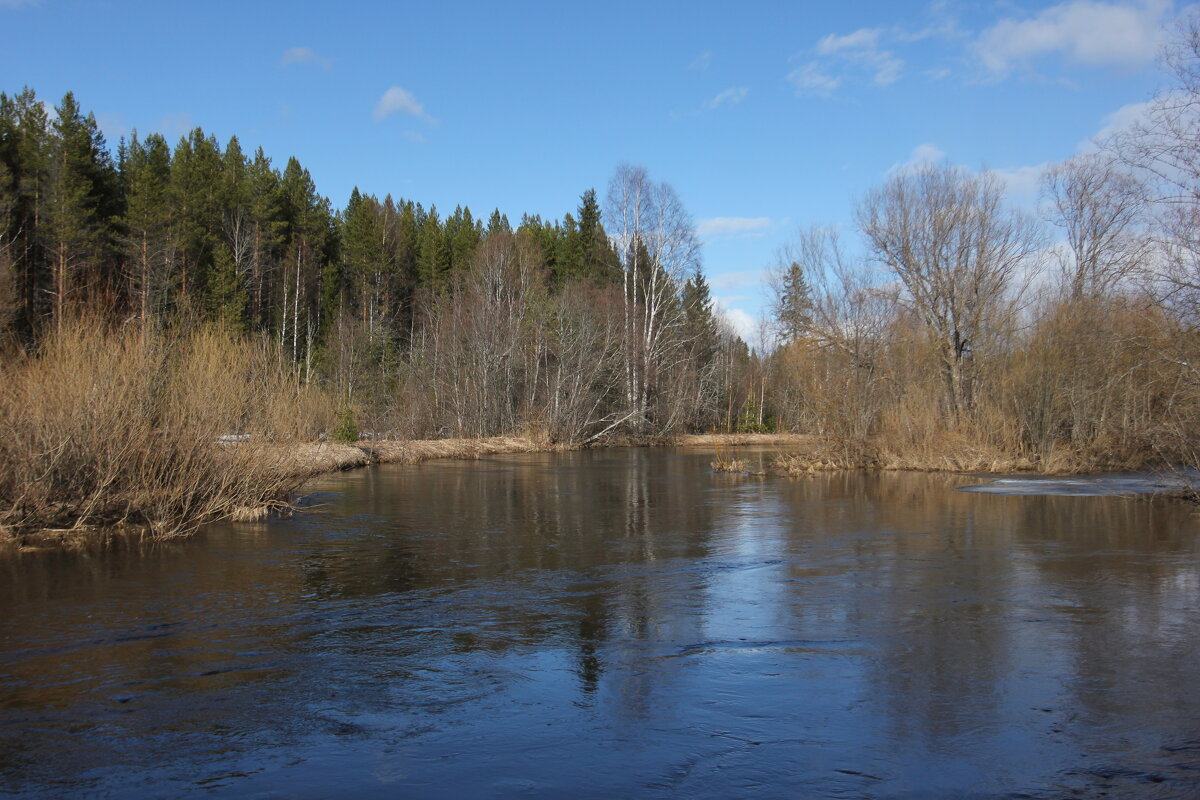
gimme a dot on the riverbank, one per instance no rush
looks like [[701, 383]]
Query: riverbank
[[315, 458], [293, 463]]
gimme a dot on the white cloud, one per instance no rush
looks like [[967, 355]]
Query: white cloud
[[732, 96], [398, 100], [701, 62], [811, 79], [1021, 184], [856, 52], [1120, 121], [922, 154], [738, 279], [728, 226], [1086, 31], [745, 324], [415, 136], [861, 39], [302, 55]]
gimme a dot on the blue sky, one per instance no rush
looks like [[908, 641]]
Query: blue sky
[[763, 116]]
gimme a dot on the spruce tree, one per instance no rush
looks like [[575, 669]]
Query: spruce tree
[[793, 309]]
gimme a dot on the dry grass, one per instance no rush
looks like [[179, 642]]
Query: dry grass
[[413, 451], [99, 429], [743, 439]]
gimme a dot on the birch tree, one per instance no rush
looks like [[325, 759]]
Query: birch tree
[[656, 246]]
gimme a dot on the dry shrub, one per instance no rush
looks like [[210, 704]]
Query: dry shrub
[[103, 427]]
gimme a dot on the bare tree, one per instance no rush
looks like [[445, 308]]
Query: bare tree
[[1163, 147], [1100, 207], [847, 318], [960, 256], [657, 246]]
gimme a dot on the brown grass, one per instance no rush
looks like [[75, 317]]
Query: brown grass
[[413, 451], [99, 429], [743, 439]]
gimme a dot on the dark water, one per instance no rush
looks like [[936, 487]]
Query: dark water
[[619, 623]]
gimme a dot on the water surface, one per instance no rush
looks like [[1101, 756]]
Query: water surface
[[617, 623]]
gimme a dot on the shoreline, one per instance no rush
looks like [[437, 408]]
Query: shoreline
[[304, 461], [311, 459]]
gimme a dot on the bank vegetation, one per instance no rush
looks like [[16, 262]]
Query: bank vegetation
[[187, 331]]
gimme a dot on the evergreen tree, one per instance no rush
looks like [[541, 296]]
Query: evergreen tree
[[196, 167], [599, 263], [498, 223], [267, 224], [793, 308], [148, 242], [82, 199], [433, 254], [462, 235], [700, 323], [226, 297]]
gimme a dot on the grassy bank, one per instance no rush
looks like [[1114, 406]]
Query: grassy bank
[[807, 455]]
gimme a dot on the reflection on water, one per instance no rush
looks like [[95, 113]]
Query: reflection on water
[[613, 623]]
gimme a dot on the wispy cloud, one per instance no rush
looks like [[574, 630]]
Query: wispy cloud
[[176, 124], [736, 280], [700, 63], [1021, 184], [810, 78], [1120, 121], [1084, 31], [857, 53], [415, 136], [922, 154], [861, 39], [398, 100], [731, 226], [731, 96], [303, 55]]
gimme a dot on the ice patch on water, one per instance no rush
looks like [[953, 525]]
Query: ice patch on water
[[1089, 485]]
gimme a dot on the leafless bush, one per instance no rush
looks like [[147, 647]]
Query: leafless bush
[[98, 427]]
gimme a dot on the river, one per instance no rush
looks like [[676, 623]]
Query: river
[[617, 623]]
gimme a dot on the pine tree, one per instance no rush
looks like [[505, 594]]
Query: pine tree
[[148, 241], [462, 235], [226, 297], [266, 218], [498, 223], [433, 253], [81, 200], [196, 167]]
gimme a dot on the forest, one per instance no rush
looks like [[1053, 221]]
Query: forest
[[157, 300]]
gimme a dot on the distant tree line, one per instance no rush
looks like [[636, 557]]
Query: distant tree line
[[419, 322]]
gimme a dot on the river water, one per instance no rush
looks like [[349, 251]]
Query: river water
[[617, 623]]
